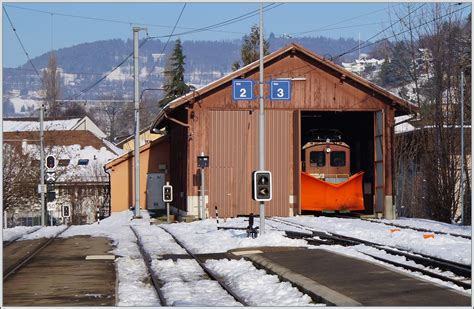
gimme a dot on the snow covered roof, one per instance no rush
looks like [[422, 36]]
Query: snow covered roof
[[31, 124], [69, 146]]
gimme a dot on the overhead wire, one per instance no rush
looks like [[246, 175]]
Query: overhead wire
[[221, 24], [367, 44], [169, 38], [110, 20], [372, 43], [324, 28], [21, 44], [224, 23], [380, 32]]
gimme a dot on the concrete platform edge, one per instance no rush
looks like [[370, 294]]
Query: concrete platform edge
[[330, 296]]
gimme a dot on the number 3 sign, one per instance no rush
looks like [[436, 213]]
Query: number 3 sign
[[242, 89], [280, 90]]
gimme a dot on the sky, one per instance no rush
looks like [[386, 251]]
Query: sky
[[45, 26]]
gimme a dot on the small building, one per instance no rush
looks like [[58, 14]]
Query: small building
[[80, 180], [323, 96], [154, 171]]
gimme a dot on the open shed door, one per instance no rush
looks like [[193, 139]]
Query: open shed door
[[379, 166]]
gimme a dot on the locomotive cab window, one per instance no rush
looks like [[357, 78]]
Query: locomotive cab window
[[317, 158], [338, 158]]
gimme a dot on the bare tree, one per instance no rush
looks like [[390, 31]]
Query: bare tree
[[20, 178], [52, 86], [433, 39]]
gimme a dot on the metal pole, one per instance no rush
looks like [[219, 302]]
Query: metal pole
[[43, 210], [137, 121], [168, 212], [462, 147], [202, 203], [261, 124]]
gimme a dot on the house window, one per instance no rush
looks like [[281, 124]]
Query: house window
[[338, 158], [83, 162], [63, 162], [317, 158]]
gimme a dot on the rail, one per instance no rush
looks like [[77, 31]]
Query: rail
[[11, 241], [147, 258], [24, 260], [419, 258], [209, 272]]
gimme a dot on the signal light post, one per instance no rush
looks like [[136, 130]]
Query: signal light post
[[167, 198]]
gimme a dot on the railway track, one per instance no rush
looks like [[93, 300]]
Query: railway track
[[147, 258], [329, 238], [22, 261], [209, 272], [9, 242], [418, 229], [355, 216]]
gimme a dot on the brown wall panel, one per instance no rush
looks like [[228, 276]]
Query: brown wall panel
[[233, 156]]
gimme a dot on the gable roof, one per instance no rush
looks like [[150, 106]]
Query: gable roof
[[57, 138], [400, 104], [32, 124]]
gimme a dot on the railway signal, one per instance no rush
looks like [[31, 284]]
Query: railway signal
[[167, 193], [66, 211], [51, 162], [262, 186], [167, 198]]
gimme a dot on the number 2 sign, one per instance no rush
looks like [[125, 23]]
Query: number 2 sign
[[242, 89]]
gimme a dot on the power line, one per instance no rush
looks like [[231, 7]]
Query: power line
[[169, 38], [110, 20], [61, 71], [221, 24], [21, 43], [105, 76], [402, 32], [337, 23], [224, 23]]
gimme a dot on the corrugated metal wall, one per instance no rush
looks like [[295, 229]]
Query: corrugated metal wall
[[233, 147]]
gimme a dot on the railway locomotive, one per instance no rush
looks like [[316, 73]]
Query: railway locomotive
[[326, 182]]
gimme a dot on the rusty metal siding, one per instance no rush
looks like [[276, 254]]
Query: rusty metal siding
[[233, 152]]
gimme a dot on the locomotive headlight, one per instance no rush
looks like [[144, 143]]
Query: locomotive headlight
[[328, 149]]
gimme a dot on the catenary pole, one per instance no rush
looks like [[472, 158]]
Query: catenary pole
[[462, 147], [261, 124], [43, 210], [136, 31]]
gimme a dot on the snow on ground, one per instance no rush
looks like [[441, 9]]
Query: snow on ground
[[203, 237], [443, 246], [17, 231], [186, 284], [432, 225], [45, 232], [157, 242], [256, 286], [133, 286], [132, 289]]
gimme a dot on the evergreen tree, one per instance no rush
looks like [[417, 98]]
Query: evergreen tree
[[250, 50], [174, 75]]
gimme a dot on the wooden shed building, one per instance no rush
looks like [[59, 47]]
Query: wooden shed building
[[323, 96]]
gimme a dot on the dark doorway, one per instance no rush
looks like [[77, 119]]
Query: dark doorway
[[357, 130]]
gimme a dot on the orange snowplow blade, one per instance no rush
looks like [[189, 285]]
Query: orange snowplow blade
[[321, 195]]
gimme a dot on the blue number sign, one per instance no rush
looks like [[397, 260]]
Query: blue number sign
[[242, 89], [280, 90]]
